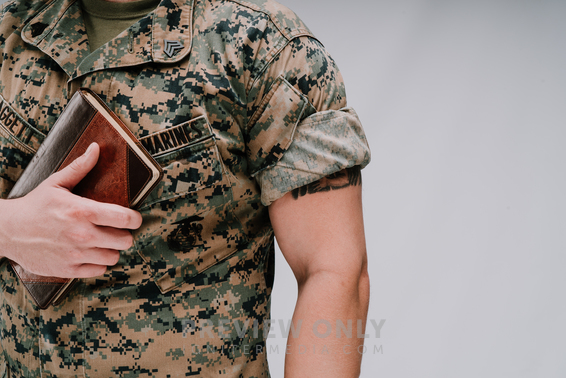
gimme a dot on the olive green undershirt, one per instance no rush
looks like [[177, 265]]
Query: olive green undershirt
[[104, 20]]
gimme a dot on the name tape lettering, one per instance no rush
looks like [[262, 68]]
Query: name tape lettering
[[176, 137]]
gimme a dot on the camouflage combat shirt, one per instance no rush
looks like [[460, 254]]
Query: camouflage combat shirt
[[240, 104]]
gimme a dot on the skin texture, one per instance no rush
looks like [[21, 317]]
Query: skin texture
[[319, 229], [65, 235]]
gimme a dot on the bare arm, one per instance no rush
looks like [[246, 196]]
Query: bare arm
[[53, 232], [319, 228]]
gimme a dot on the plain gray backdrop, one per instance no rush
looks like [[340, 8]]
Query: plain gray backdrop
[[464, 106]]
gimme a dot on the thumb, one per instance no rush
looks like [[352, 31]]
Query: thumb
[[73, 173]]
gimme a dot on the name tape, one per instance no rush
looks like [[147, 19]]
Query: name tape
[[171, 139], [19, 131]]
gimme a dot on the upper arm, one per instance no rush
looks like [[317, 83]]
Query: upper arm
[[319, 227]]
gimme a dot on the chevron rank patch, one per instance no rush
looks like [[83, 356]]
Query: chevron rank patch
[[172, 47]]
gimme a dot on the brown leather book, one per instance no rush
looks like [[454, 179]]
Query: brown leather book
[[124, 174]]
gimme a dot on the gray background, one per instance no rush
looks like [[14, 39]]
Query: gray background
[[464, 105]]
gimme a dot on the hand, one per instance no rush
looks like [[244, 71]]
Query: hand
[[52, 232]]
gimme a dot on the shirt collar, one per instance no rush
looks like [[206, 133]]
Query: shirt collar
[[163, 36]]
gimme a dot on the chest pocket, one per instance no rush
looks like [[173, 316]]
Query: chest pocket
[[189, 223]]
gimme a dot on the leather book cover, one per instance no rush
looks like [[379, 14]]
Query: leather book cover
[[124, 174]]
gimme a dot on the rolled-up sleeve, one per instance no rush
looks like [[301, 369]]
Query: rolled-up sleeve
[[323, 143], [302, 129]]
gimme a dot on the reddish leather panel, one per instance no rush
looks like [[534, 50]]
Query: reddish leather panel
[[107, 181]]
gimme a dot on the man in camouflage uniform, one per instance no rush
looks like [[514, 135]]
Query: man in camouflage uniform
[[247, 115]]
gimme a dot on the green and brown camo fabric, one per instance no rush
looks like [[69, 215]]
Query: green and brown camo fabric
[[240, 104]]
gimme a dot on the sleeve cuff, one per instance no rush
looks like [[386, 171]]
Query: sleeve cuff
[[323, 143]]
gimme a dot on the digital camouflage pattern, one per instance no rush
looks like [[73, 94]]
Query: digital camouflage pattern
[[248, 107]]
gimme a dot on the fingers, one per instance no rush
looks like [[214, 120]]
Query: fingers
[[92, 262], [99, 237], [88, 271], [109, 215], [99, 213], [114, 239], [71, 175], [96, 262], [97, 256]]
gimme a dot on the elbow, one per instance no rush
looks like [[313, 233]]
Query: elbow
[[350, 284]]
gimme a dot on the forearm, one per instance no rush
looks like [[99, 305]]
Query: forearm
[[331, 310]]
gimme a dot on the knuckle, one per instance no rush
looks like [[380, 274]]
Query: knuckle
[[74, 255], [127, 218], [122, 218], [80, 235], [74, 271], [78, 212], [76, 165]]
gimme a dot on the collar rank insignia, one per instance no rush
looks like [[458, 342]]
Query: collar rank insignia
[[172, 47]]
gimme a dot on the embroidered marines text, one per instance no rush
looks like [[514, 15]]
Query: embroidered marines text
[[175, 137]]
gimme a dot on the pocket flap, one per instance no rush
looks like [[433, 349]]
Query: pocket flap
[[274, 124], [178, 252]]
